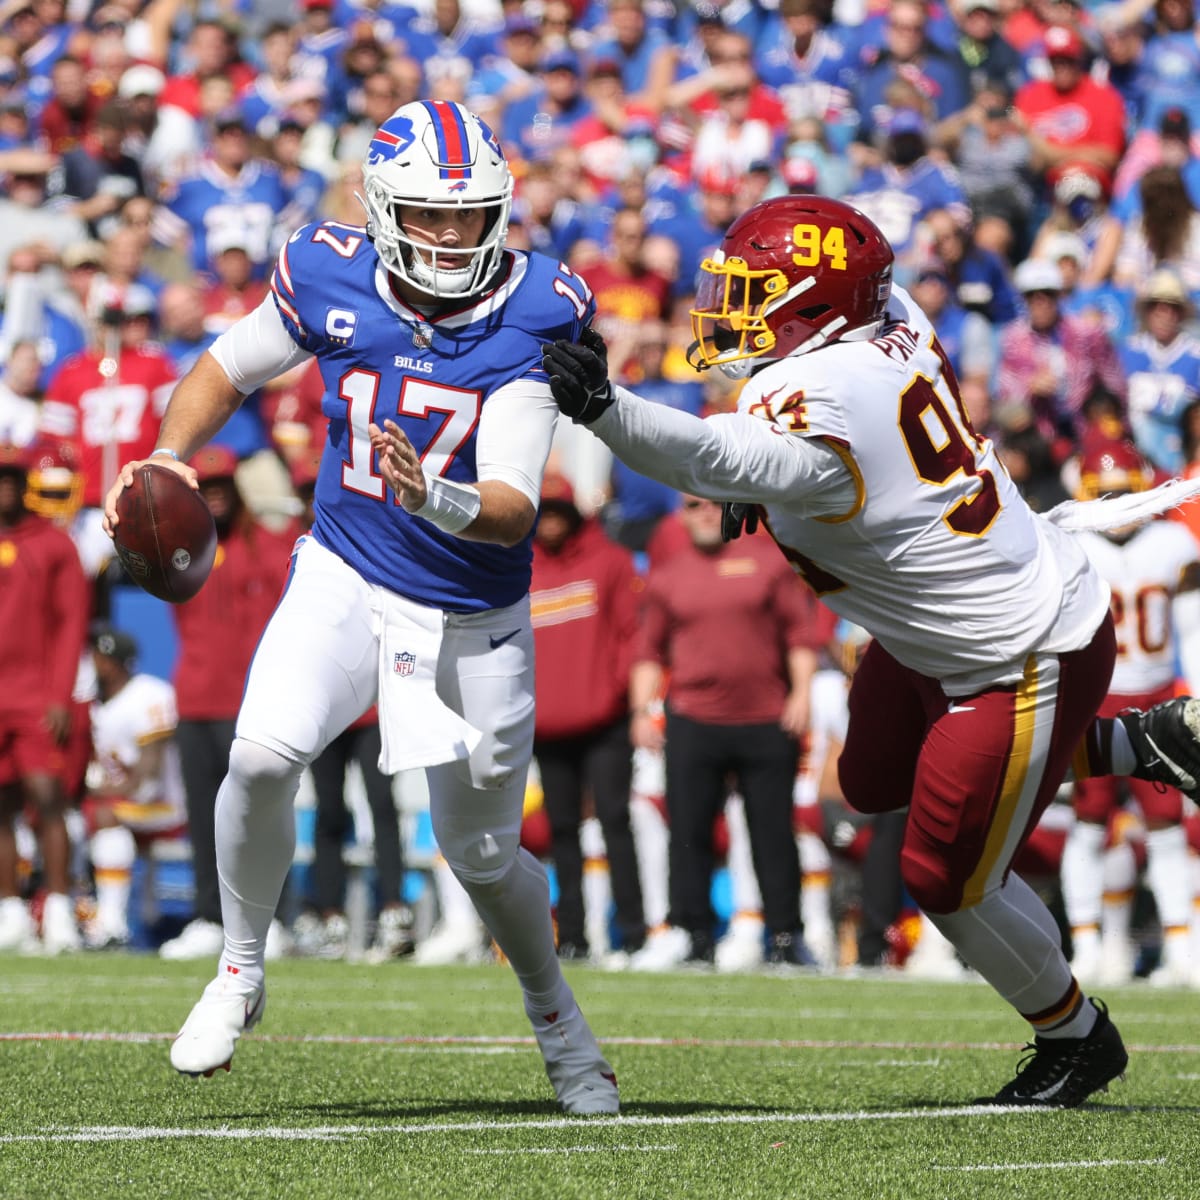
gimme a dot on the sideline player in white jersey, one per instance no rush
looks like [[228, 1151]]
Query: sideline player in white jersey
[[410, 593], [135, 784], [1154, 577], [993, 642]]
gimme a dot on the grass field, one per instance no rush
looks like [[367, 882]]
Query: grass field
[[401, 1082]]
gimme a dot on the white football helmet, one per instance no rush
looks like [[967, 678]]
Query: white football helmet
[[436, 154]]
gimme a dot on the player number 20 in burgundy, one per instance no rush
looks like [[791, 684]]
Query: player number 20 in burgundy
[[165, 536]]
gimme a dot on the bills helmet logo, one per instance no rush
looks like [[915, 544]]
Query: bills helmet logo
[[492, 141], [405, 663], [391, 139], [459, 186]]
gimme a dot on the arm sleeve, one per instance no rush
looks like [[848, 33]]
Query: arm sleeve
[[257, 349], [730, 456], [516, 426]]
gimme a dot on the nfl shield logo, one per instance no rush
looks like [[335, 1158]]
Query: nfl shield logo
[[405, 663], [422, 337]]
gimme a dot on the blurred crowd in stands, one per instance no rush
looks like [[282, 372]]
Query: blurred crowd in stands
[[1035, 165]]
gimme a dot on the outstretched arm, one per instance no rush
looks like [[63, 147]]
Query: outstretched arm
[[730, 456]]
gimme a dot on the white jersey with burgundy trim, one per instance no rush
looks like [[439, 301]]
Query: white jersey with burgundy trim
[[876, 487], [1144, 575], [936, 554], [143, 711]]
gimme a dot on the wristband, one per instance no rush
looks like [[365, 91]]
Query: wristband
[[164, 450], [450, 506]]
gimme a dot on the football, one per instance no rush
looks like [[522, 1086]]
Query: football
[[165, 536]]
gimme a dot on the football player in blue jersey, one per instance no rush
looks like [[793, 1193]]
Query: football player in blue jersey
[[411, 590]]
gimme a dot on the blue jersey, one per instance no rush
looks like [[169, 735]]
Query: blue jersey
[[381, 359], [1163, 381], [209, 203]]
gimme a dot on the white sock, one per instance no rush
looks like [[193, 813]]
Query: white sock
[[597, 886], [1168, 872], [1011, 939], [256, 840], [739, 861], [1120, 878], [651, 842], [113, 852], [816, 911], [1082, 874]]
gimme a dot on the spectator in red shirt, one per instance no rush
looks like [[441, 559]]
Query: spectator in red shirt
[[44, 609], [108, 400], [234, 292], [1072, 120], [212, 51], [736, 635], [71, 110], [628, 295], [218, 631], [584, 611]]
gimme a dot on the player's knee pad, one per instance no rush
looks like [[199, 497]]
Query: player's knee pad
[[931, 881], [255, 766], [477, 854]]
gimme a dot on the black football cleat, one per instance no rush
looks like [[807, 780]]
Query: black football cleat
[[1166, 740], [1064, 1072]]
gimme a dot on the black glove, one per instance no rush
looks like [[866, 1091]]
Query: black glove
[[735, 518], [579, 376]]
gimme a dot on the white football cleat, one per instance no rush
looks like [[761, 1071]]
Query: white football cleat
[[60, 930], [583, 1081], [664, 950], [448, 943], [198, 939], [279, 942], [741, 949], [17, 931], [209, 1035]]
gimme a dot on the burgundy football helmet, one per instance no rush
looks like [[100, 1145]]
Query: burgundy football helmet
[[54, 482], [791, 275], [1112, 468]]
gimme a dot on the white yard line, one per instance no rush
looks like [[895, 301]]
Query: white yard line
[[1059, 1166], [436, 1041], [138, 1133]]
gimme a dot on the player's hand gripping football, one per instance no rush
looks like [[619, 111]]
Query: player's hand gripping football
[[579, 376], [125, 479], [399, 464]]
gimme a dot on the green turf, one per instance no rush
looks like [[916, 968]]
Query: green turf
[[731, 1087]]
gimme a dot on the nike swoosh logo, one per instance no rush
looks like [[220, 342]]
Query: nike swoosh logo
[[497, 642], [959, 708]]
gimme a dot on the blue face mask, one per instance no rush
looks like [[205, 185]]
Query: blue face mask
[[642, 153], [1081, 208]]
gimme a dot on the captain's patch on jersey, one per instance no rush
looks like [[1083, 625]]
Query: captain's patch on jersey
[[341, 324], [405, 663]]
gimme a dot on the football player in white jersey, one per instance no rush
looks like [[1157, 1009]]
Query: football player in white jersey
[[413, 591], [993, 643], [1154, 576], [135, 786]]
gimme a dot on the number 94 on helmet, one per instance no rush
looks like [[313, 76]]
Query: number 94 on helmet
[[792, 274]]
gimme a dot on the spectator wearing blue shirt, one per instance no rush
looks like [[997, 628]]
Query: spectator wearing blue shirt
[[1162, 364], [910, 55], [977, 40], [810, 68], [978, 275], [645, 55], [536, 125], [699, 224], [907, 187], [447, 33]]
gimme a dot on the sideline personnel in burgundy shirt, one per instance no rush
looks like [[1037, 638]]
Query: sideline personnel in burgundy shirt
[[218, 632], [44, 607], [584, 610], [736, 634]]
